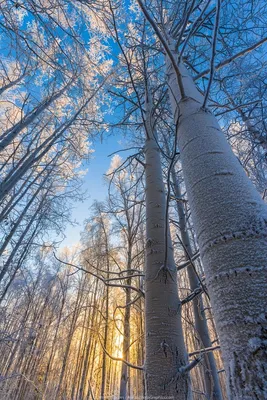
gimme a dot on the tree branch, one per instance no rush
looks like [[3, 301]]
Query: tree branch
[[206, 350], [232, 58]]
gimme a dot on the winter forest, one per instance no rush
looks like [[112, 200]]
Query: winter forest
[[147, 120]]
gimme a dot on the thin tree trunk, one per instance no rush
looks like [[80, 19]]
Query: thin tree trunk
[[22, 215], [7, 137], [104, 365], [19, 263], [126, 334], [12, 83], [67, 348], [20, 239], [89, 335], [22, 191], [165, 349], [81, 352], [52, 353]]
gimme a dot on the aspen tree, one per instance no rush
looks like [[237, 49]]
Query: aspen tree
[[229, 217], [166, 365]]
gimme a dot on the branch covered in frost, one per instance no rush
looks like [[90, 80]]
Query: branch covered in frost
[[105, 281], [232, 58], [189, 262], [192, 295], [188, 367], [206, 350], [165, 45], [140, 368], [213, 54]]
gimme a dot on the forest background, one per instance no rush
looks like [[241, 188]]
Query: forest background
[[146, 122]]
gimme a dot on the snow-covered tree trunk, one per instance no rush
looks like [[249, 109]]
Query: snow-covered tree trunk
[[16, 224], [89, 340], [20, 239], [104, 379], [212, 383], [68, 346], [165, 350], [230, 222], [126, 344], [126, 329]]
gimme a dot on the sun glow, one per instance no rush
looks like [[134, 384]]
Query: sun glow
[[118, 346]]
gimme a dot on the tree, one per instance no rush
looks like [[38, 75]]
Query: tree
[[230, 232], [183, 231], [126, 205]]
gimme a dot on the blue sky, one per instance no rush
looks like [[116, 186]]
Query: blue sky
[[94, 185]]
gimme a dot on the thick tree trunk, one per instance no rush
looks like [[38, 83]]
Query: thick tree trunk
[[165, 349], [230, 221]]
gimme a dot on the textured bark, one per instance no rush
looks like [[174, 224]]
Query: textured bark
[[212, 383], [230, 220], [165, 350]]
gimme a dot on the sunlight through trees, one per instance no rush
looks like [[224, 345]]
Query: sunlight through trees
[[164, 296]]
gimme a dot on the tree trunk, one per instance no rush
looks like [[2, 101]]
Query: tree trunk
[[230, 221], [21, 237], [67, 346], [212, 383], [88, 339], [104, 365], [22, 215], [165, 349], [126, 334]]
